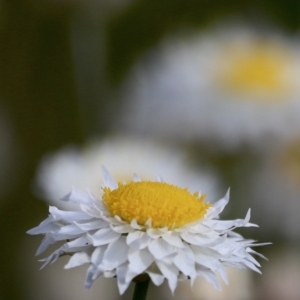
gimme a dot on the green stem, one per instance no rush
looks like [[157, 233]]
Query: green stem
[[140, 290]]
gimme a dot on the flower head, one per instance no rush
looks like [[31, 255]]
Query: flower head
[[151, 228], [230, 85]]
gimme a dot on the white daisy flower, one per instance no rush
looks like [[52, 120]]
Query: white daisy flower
[[123, 156], [228, 85], [147, 228]]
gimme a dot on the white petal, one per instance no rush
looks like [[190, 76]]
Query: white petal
[[110, 274], [52, 258], [155, 233], [113, 221], [207, 257], [140, 260], [91, 275], [169, 259], [160, 179], [173, 238], [148, 223], [78, 196], [108, 180], [119, 220], [70, 230], [47, 241], [224, 225], [256, 253], [260, 244], [69, 216], [160, 248], [115, 254], [92, 225], [126, 228], [135, 225], [137, 240], [103, 236], [97, 255], [170, 272], [92, 211], [218, 207], [251, 266], [78, 259], [198, 239], [136, 178], [121, 278], [209, 276], [80, 242], [185, 262], [155, 275], [44, 227]]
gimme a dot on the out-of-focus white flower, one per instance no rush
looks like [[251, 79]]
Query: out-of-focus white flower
[[275, 189], [147, 228], [230, 85], [123, 156]]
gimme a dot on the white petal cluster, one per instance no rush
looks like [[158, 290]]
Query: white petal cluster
[[115, 248]]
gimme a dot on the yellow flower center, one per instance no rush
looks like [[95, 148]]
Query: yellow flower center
[[165, 204], [262, 68]]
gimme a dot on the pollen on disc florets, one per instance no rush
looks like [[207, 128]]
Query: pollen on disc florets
[[165, 204]]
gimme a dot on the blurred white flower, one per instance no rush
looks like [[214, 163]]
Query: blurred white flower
[[275, 189], [124, 156], [147, 228], [230, 85]]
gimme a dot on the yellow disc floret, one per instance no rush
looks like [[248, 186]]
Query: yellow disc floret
[[165, 204]]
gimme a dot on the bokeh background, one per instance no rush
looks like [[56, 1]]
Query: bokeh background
[[72, 71]]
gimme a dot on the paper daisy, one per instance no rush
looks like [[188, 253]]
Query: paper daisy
[[148, 229], [230, 85], [123, 156]]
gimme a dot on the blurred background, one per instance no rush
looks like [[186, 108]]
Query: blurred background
[[205, 93]]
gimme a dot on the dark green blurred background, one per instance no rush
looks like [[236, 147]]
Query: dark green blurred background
[[60, 62]]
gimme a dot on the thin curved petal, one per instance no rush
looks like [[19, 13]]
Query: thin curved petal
[[78, 259], [108, 180], [137, 240], [160, 248], [115, 254], [78, 196], [173, 238], [121, 278], [87, 226], [170, 272], [103, 236], [185, 262], [139, 261], [155, 275]]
